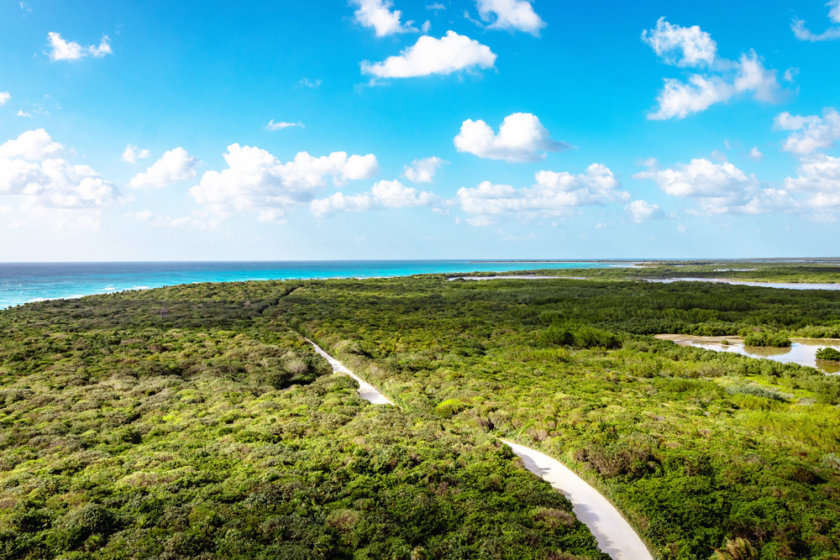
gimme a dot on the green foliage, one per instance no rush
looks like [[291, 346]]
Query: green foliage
[[450, 407], [697, 448], [214, 431], [773, 340], [578, 336], [828, 354], [194, 421]]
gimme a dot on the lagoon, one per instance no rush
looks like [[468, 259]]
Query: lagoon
[[802, 350], [779, 285]]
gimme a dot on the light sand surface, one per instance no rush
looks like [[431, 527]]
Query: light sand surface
[[614, 535], [366, 390], [518, 277]]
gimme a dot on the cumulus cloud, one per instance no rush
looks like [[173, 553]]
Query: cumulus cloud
[[801, 31], [451, 53], [33, 145], [383, 194], [271, 125], [819, 176], [820, 173], [510, 14], [720, 188], [257, 181], [521, 137], [49, 186], [423, 170], [132, 154], [809, 133], [756, 154], [681, 46], [641, 211], [71, 51], [553, 194], [4, 97], [379, 15], [679, 99], [173, 166], [727, 79]]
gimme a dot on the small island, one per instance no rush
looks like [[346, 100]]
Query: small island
[[828, 355], [768, 340]]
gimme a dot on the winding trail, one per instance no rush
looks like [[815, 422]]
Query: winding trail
[[613, 533], [366, 390]]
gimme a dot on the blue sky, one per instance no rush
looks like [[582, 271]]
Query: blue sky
[[405, 129]]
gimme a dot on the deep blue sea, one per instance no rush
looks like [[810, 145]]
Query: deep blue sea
[[26, 282]]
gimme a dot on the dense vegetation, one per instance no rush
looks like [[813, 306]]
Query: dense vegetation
[[182, 423], [194, 421], [701, 450], [828, 354], [770, 340]]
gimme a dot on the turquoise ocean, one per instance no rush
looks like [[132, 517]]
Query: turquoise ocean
[[26, 282]]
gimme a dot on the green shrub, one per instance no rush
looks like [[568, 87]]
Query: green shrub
[[763, 338], [579, 336], [828, 354], [450, 407]]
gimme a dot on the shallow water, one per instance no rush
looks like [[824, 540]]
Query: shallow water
[[25, 282], [803, 351], [780, 285]]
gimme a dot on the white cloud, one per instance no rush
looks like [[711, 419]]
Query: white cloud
[[679, 99], [694, 46], [756, 154], [23, 114], [819, 176], [50, 187], [132, 153], [378, 15], [810, 133], [271, 125], [4, 97], [553, 194], [257, 181], [33, 145], [521, 137], [820, 173], [720, 188], [173, 166], [510, 14], [451, 53], [423, 170], [641, 211], [383, 194], [306, 82], [69, 50], [804, 34]]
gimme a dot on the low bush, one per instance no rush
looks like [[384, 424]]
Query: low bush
[[763, 338]]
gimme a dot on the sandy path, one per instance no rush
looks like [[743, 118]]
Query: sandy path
[[517, 277], [614, 535], [366, 390]]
